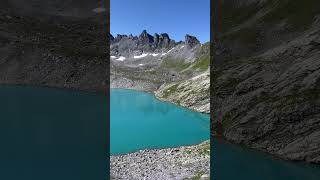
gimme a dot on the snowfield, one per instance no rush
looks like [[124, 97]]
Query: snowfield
[[140, 56], [121, 58]]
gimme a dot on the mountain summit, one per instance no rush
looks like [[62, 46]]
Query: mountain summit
[[124, 45]]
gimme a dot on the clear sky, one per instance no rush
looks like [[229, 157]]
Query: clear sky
[[175, 17]]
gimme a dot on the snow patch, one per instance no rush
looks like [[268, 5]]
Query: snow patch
[[140, 64], [170, 50], [200, 76], [113, 57], [155, 54], [140, 56], [163, 54], [121, 58], [181, 47]]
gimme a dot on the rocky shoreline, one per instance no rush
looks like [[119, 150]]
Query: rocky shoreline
[[192, 93], [176, 72], [186, 162]]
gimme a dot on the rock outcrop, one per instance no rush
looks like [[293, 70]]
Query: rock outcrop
[[191, 41], [46, 45], [139, 62], [148, 43], [192, 93], [265, 77]]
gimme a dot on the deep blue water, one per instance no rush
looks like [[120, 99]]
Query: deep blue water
[[140, 121], [232, 162], [52, 134]]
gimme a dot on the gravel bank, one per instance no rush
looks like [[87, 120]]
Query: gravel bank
[[187, 162]]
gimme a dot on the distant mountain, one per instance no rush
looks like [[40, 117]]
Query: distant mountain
[[155, 63], [128, 45]]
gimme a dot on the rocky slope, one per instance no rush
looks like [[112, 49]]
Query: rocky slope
[[266, 76], [190, 162], [54, 43], [186, 93], [177, 72], [147, 62]]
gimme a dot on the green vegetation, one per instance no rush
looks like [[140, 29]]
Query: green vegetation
[[170, 90], [202, 63], [197, 176], [204, 149], [205, 48], [177, 65]]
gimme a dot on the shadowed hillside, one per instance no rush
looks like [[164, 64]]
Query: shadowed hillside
[[54, 43], [266, 76]]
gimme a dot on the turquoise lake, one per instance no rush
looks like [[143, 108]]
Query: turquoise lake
[[51, 134], [139, 121]]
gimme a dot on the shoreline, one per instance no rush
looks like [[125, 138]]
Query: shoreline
[[84, 90], [152, 149], [170, 167], [196, 164], [265, 153], [182, 162], [163, 100]]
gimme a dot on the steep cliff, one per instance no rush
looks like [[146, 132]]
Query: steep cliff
[[54, 43], [266, 76]]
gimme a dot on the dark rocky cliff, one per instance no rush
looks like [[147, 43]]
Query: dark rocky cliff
[[54, 43], [265, 80]]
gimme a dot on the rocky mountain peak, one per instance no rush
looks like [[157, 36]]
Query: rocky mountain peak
[[111, 37], [156, 38], [145, 37], [119, 37], [191, 41], [163, 40], [126, 44]]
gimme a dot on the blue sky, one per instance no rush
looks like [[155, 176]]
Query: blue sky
[[175, 17]]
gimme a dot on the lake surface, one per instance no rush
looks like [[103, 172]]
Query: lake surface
[[52, 134], [231, 162], [139, 121]]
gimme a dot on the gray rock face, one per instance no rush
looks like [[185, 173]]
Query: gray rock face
[[164, 40], [191, 41], [119, 37], [145, 38], [33, 51], [56, 8], [147, 43], [111, 37], [192, 93], [265, 90]]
